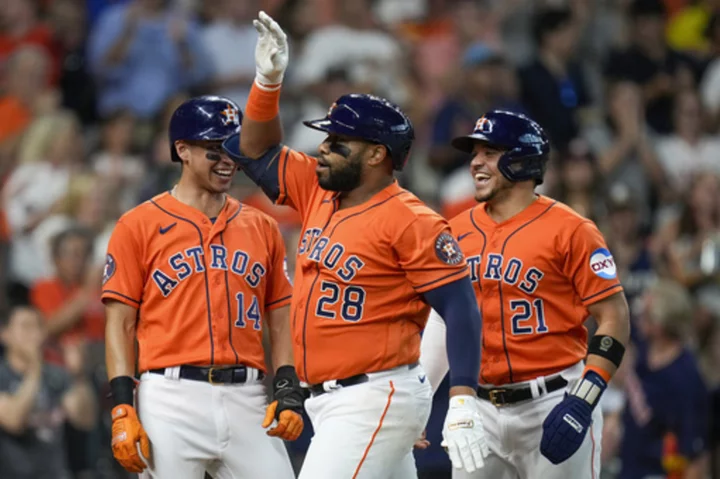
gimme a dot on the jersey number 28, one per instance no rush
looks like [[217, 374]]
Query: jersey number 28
[[353, 300], [524, 311]]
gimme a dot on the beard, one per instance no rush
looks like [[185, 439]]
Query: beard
[[497, 191], [343, 178]]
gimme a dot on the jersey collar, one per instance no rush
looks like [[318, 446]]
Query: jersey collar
[[481, 216], [176, 207]]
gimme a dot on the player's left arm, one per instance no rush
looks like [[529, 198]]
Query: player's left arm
[[590, 267], [288, 396], [435, 267], [613, 319]]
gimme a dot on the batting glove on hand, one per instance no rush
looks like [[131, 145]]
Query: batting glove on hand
[[287, 405], [463, 434], [567, 424], [127, 432], [271, 51]]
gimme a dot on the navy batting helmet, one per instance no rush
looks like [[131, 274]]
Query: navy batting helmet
[[525, 143], [373, 119], [206, 118]]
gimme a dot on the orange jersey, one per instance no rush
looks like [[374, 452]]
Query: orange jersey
[[201, 288], [360, 273], [534, 277]]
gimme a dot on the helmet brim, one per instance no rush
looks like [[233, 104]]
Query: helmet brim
[[467, 143], [329, 126]]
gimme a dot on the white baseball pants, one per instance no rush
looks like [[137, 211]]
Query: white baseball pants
[[194, 427], [367, 431], [514, 431]]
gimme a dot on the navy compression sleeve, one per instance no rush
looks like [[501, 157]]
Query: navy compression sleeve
[[455, 302], [263, 171]]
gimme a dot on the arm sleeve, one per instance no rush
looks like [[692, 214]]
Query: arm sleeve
[[429, 254], [279, 291], [455, 302], [590, 265], [433, 350], [286, 176], [124, 274]]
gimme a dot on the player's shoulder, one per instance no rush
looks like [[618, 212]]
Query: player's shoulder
[[253, 215], [565, 219], [463, 220], [146, 213], [408, 208]]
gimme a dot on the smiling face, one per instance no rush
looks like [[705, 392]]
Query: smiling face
[[208, 165], [340, 162], [489, 182]]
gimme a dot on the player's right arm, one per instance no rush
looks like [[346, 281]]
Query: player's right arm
[[123, 280], [288, 397], [287, 177]]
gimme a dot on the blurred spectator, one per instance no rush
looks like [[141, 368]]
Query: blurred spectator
[[142, 53], [35, 399], [36, 191], [623, 148], [230, 41], [691, 240], [686, 28], [628, 240], [553, 85], [19, 26], [652, 64], [666, 416], [688, 150], [68, 23], [24, 95], [116, 163], [371, 56], [70, 300], [710, 81], [580, 181]]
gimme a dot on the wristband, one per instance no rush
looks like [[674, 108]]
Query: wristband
[[122, 389], [263, 103], [590, 387], [607, 347]]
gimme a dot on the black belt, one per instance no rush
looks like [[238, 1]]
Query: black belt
[[317, 389], [503, 396], [213, 375]]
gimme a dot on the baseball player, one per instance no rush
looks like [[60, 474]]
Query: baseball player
[[196, 277], [539, 270], [371, 260]]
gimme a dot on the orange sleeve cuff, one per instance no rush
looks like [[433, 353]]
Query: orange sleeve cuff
[[600, 371], [263, 104]]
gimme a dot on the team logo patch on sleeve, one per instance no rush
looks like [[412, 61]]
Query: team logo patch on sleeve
[[603, 264], [109, 268], [447, 249]]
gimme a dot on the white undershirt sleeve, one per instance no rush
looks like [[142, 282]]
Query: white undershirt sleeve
[[433, 350]]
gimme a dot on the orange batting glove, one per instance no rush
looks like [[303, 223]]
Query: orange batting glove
[[287, 406], [126, 433]]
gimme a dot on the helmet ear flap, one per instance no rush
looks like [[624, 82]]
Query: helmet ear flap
[[517, 167]]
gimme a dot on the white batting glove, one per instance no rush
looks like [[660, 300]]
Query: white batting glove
[[271, 51], [463, 434]]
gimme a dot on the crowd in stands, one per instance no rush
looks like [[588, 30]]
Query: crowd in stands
[[627, 90]]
